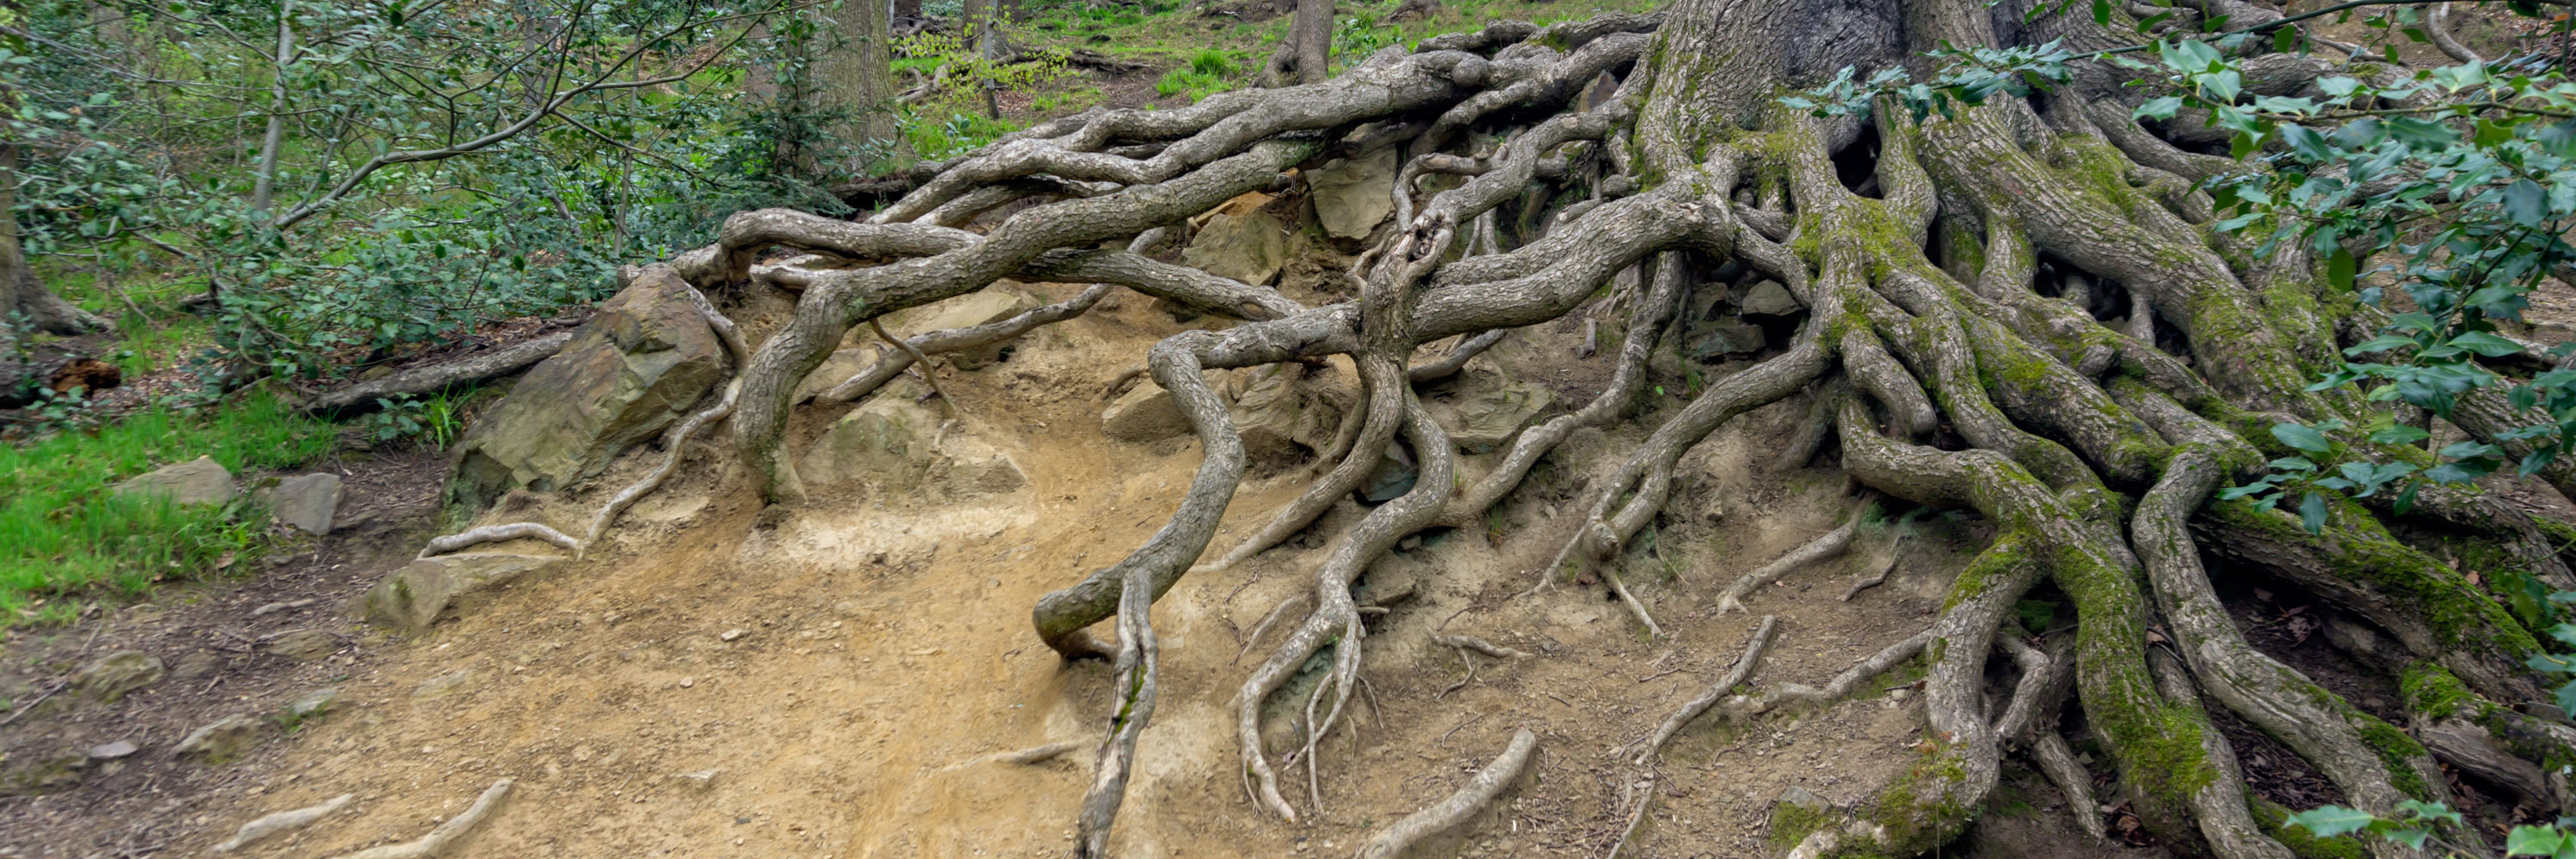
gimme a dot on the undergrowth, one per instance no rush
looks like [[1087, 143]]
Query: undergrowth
[[65, 535]]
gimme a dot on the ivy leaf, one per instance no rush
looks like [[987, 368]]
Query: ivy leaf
[[2301, 437], [2163, 107], [2330, 821], [2526, 203], [2533, 841]]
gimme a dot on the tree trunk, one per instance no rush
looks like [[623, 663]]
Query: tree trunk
[[853, 78], [2092, 454], [1304, 57], [20, 292]]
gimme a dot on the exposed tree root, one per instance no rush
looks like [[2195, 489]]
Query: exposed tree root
[[440, 376], [1479, 792], [1690, 710], [282, 822], [438, 839]]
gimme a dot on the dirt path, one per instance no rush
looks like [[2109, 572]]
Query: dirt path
[[717, 685]]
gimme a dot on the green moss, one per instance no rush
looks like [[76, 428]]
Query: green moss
[[2434, 691], [1792, 823], [2397, 752], [2009, 551], [2361, 550]]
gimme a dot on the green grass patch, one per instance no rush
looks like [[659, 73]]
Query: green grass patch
[[64, 534]]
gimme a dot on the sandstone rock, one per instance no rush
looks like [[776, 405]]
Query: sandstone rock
[[306, 501], [444, 685], [197, 481], [222, 740], [644, 359], [25, 774], [697, 782], [1353, 195], [1287, 414], [1727, 338], [835, 369], [1491, 410], [115, 675], [1393, 476], [312, 704], [1250, 247], [1146, 413], [197, 663], [304, 645], [990, 304], [895, 443], [1769, 298], [416, 595]]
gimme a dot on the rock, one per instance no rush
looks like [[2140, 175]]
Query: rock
[[1144, 414], [990, 304], [697, 782], [27, 775], [1728, 338], [197, 663], [115, 675], [306, 501], [644, 359], [222, 740], [197, 481], [733, 634], [1251, 247], [1799, 797], [895, 444], [1353, 195], [836, 368], [1391, 478], [2352, 636], [304, 645], [416, 595], [444, 685], [1496, 409], [312, 704], [1769, 298], [1286, 414], [112, 751]]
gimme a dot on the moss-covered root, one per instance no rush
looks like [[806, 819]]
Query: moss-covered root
[[2374, 764], [1937, 797], [2529, 756], [2356, 564]]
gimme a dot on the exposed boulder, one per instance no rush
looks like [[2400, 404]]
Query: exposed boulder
[[1251, 247], [1769, 298], [990, 304], [312, 704], [642, 360], [306, 501], [223, 739], [1721, 339], [197, 481], [416, 595], [27, 772], [1353, 195], [836, 368], [1490, 410], [1287, 412], [303, 645], [896, 443], [112, 677], [1144, 414]]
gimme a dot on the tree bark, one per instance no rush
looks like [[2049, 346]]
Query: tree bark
[[1306, 56], [852, 80], [20, 291]]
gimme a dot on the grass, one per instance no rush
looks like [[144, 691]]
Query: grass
[[64, 534]]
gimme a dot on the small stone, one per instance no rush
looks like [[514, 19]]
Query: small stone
[[314, 703], [1769, 298], [444, 684], [1392, 477], [1728, 338], [698, 782], [222, 740], [197, 663], [197, 481], [111, 751], [115, 675], [1250, 247], [306, 501], [304, 645], [733, 634], [1409, 543], [686, 682], [1802, 798]]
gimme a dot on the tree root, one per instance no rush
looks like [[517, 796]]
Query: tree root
[[438, 839], [440, 376], [282, 822], [1478, 792], [1874, 579], [1822, 548], [1692, 709]]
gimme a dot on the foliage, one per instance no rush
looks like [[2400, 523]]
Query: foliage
[[2412, 825], [64, 533]]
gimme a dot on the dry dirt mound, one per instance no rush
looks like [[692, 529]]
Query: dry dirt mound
[[832, 682]]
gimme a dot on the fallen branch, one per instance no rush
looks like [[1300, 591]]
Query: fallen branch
[[282, 822], [1488, 783], [446, 833], [442, 375]]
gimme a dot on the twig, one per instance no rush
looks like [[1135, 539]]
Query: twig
[[31, 705]]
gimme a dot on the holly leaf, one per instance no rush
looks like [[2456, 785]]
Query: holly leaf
[[2332, 820]]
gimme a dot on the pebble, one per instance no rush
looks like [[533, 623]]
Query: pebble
[[112, 751], [735, 633], [686, 682]]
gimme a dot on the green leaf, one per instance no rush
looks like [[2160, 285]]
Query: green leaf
[[2330, 821], [2163, 107], [2526, 203], [2301, 437], [2399, 435], [2101, 11], [2312, 515], [2486, 344], [2533, 841]]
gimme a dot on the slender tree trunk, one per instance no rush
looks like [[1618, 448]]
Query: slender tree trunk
[[853, 78], [1306, 56], [20, 291], [265, 185]]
